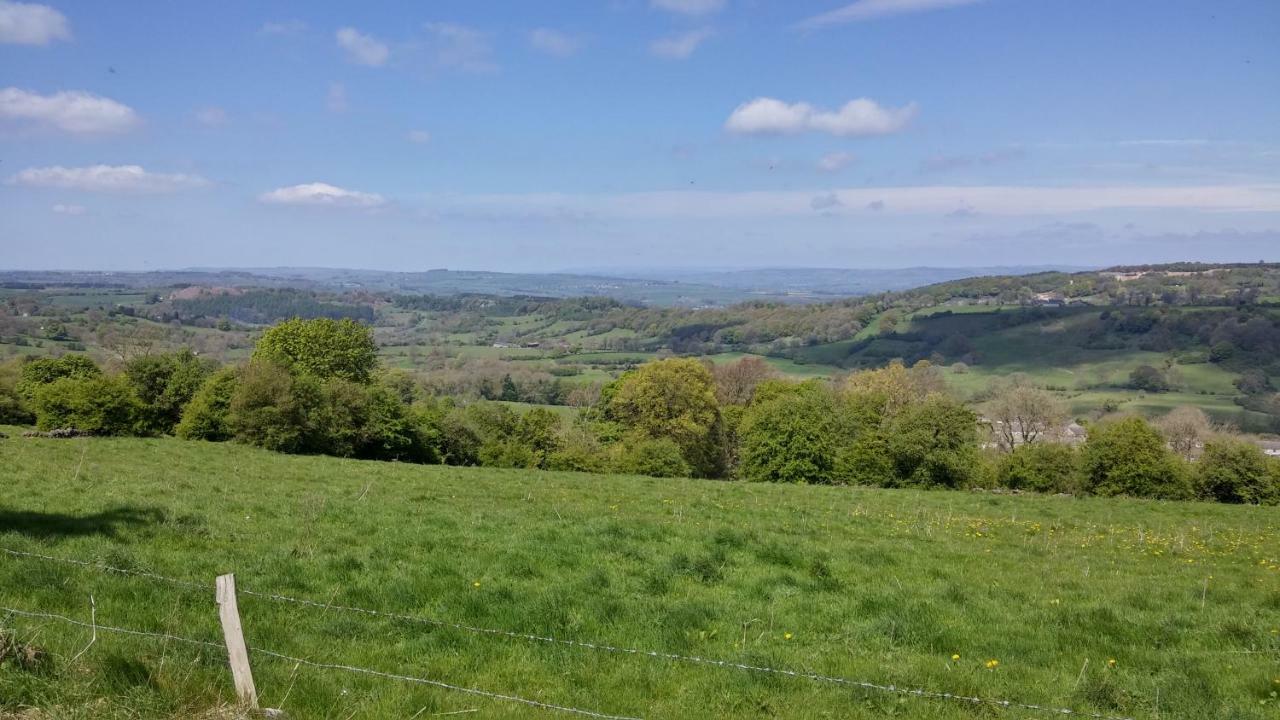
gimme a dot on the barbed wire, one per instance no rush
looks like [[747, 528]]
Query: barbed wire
[[439, 684], [865, 685], [311, 663], [110, 568], [109, 628]]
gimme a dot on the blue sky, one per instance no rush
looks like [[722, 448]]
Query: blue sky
[[685, 133]]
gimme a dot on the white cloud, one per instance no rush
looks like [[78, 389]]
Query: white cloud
[[282, 27], [864, 10], [419, 137], [362, 49], [68, 209], [321, 194], [73, 111], [461, 47], [935, 200], [862, 116], [689, 7], [31, 24], [211, 116], [836, 161], [553, 42], [336, 99], [106, 178], [680, 46]]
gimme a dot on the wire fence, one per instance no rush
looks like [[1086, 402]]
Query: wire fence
[[594, 646]]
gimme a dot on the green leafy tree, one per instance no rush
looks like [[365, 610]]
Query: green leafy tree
[[1150, 379], [1129, 457], [933, 443], [322, 347], [1043, 467], [99, 405], [14, 409], [43, 371], [206, 416], [655, 457], [1236, 471], [165, 383], [275, 409], [673, 399], [790, 437]]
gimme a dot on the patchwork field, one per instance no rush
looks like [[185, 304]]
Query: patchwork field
[[1121, 608]]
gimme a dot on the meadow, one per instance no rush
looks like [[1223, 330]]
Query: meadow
[[1120, 608]]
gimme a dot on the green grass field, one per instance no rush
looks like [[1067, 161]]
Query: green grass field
[[870, 585]]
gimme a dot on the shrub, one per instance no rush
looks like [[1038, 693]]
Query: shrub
[[1042, 467], [98, 405], [671, 399], [656, 457], [206, 416], [274, 409], [1128, 457], [933, 443], [1145, 377], [790, 437], [165, 384], [13, 406], [43, 371], [1236, 471]]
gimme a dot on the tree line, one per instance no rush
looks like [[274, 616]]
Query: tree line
[[315, 387]]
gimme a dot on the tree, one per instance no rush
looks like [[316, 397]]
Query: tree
[[13, 406], [1022, 413], [165, 384], [98, 405], [205, 417], [1128, 457], [43, 371], [673, 399], [894, 387], [1145, 377], [933, 443], [790, 437], [655, 457], [275, 409], [1236, 471], [736, 381], [321, 347], [1046, 467], [1185, 428]]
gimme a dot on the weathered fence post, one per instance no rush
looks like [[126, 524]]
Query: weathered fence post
[[237, 653]]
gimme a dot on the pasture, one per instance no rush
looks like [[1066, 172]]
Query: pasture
[[1118, 608]]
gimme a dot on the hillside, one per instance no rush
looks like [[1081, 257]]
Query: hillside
[[875, 586], [1213, 332]]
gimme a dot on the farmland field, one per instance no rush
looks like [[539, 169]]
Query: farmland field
[[1120, 607]]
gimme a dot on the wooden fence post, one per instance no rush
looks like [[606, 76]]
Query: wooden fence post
[[237, 653]]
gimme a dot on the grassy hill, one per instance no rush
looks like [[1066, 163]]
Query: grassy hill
[[870, 585]]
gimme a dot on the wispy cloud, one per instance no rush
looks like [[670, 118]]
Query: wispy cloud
[[681, 45], [934, 200], [282, 27], [553, 42], [362, 49], [461, 47], [864, 10], [835, 161], [863, 116], [211, 116], [62, 209], [106, 178], [947, 163], [31, 24], [322, 195], [418, 137], [689, 7]]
